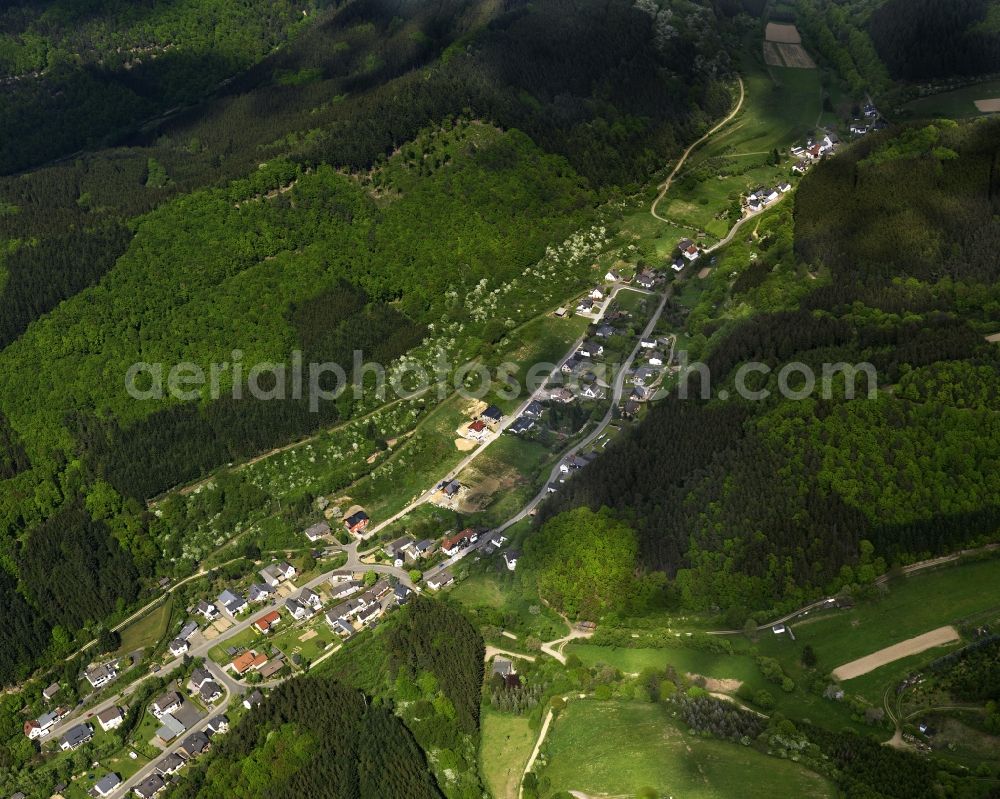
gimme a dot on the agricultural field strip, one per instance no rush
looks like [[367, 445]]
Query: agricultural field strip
[[911, 646]]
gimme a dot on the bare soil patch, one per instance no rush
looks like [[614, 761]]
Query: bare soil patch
[[704, 272], [795, 56], [464, 444], [782, 32], [993, 337], [772, 56], [308, 635], [911, 646], [991, 106]]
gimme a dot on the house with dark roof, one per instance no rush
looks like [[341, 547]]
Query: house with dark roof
[[356, 522], [107, 784], [210, 691], [150, 787], [170, 764], [520, 425], [318, 531], [49, 693], [533, 410], [199, 677], [76, 737], [208, 610], [194, 745], [233, 603], [218, 725], [255, 699], [492, 415], [167, 703], [440, 580], [297, 610], [110, 718], [259, 592], [341, 590]]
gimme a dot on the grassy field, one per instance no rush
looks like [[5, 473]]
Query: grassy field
[[957, 104], [781, 107], [739, 667], [147, 631], [431, 452], [247, 639], [507, 741], [288, 640], [639, 746], [912, 606]]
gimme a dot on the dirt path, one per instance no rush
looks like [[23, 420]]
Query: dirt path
[[911, 646], [670, 178], [493, 651]]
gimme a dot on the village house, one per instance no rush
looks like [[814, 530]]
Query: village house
[[689, 249], [232, 603], [394, 548], [591, 349], [612, 276], [357, 522], [440, 580], [272, 667], [198, 678], [49, 693], [646, 280], [178, 647], [241, 664], [800, 167], [150, 787], [604, 331], [369, 613], [266, 622], [585, 305], [76, 737], [259, 592], [217, 726], [451, 544], [167, 703], [401, 593], [170, 764], [655, 358], [340, 590], [533, 410], [597, 294], [296, 610], [99, 676], [171, 728], [210, 692], [255, 699], [107, 784], [111, 718], [208, 610], [422, 549], [194, 745], [318, 532], [592, 391], [492, 416], [510, 557], [310, 599], [570, 364], [40, 727], [521, 425]]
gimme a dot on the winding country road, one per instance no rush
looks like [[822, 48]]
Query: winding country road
[[665, 187]]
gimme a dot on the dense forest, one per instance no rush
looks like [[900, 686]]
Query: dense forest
[[937, 38], [314, 737], [426, 662], [752, 505], [272, 169]]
